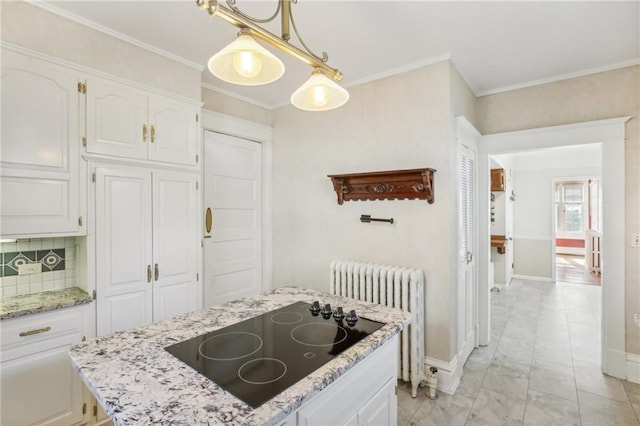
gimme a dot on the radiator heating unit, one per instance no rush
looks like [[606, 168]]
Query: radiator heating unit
[[594, 253], [393, 286]]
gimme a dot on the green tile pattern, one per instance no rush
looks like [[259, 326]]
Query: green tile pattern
[[49, 259]]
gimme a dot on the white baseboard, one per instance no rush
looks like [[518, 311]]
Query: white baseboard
[[532, 278], [615, 363], [633, 368], [449, 373]]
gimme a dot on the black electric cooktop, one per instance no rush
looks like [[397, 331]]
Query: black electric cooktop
[[259, 358]]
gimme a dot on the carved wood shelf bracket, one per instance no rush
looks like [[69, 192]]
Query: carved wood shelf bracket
[[390, 185]]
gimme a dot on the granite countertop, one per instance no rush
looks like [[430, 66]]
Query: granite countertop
[[139, 383], [26, 304]]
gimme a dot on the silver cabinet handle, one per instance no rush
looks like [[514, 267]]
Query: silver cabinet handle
[[156, 273], [36, 331]]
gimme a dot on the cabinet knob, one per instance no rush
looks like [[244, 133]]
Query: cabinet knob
[[148, 273], [156, 274], [153, 133], [144, 133]]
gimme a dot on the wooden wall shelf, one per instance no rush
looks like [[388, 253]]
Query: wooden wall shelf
[[393, 184], [500, 242]]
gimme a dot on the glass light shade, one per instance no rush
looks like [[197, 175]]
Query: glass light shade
[[246, 63], [319, 93]]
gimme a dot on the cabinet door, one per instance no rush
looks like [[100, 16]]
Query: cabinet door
[[123, 249], [173, 132], [175, 243], [41, 389], [116, 120], [39, 151], [382, 408]]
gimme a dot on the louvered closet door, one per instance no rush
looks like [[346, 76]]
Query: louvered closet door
[[466, 249]]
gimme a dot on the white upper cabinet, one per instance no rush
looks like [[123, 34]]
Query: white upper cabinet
[[173, 131], [39, 180], [116, 120], [126, 122]]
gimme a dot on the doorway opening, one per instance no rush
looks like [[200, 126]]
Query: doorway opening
[[609, 135], [577, 212]]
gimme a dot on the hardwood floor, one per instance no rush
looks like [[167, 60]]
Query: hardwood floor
[[573, 269]]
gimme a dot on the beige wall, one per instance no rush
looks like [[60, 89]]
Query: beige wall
[[36, 29], [598, 96], [225, 104], [399, 122]]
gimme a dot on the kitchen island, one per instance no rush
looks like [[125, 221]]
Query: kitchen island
[[138, 382]]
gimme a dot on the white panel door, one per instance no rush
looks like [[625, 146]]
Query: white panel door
[[382, 408], [176, 242], [41, 389], [39, 152], [116, 120], [123, 249], [173, 131], [466, 251], [233, 201]]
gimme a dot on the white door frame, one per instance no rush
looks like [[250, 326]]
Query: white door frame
[[610, 133], [232, 126]]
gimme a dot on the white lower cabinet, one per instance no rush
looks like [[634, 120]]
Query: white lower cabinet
[[365, 395], [38, 383], [147, 246]]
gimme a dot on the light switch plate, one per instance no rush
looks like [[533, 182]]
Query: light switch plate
[[635, 240], [29, 268], [636, 318]]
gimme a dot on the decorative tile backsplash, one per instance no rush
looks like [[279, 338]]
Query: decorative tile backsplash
[[56, 260]]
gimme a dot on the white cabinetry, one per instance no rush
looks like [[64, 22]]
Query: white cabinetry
[[39, 180], [147, 246], [126, 122], [365, 395], [38, 383]]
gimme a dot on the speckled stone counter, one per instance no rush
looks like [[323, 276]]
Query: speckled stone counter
[[26, 304], [139, 383]]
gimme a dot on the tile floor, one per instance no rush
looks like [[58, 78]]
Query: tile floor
[[541, 368]]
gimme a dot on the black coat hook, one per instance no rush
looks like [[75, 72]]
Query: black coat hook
[[367, 218]]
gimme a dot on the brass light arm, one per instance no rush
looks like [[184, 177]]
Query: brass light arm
[[232, 6], [324, 58], [213, 8]]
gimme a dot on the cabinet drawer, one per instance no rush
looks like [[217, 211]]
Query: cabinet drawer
[[40, 327]]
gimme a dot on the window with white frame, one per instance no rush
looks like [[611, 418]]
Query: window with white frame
[[571, 212]]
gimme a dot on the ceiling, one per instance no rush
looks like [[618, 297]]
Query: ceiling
[[496, 46]]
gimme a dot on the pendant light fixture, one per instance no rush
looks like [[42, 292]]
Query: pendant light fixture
[[245, 62], [319, 93]]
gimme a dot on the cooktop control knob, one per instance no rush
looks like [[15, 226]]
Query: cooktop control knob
[[338, 315], [326, 311], [315, 308], [351, 318]]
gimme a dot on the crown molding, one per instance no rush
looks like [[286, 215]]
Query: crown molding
[[560, 77], [115, 34], [236, 96]]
